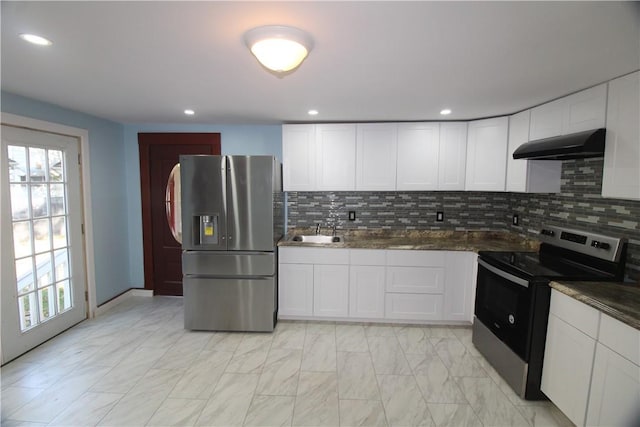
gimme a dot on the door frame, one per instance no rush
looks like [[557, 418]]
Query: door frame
[[85, 191], [145, 191]]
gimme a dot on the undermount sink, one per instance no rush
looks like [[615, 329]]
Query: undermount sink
[[317, 238]]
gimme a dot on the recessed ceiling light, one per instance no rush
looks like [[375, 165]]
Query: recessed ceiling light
[[32, 38], [313, 112], [189, 112], [445, 112]]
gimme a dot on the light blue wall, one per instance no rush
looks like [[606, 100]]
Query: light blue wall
[[108, 188], [236, 139], [115, 181]]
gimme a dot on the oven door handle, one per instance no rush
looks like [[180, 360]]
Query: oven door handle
[[503, 274]]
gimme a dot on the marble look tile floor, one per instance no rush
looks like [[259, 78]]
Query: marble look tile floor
[[136, 366]]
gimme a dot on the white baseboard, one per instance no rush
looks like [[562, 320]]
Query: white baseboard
[[121, 298]]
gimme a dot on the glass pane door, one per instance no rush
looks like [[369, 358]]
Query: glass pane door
[[46, 264], [40, 218]]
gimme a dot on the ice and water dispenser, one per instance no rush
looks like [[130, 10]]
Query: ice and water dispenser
[[208, 229]]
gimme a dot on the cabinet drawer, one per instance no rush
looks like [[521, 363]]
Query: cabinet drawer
[[416, 258], [290, 255], [575, 313], [413, 306], [423, 280], [621, 338], [367, 257]]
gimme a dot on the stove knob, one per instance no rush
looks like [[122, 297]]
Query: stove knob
[[512, 319], [600, 245], [546, 232]]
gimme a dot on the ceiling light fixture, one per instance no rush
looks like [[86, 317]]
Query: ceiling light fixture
[[313, 112], [445, 112], [34, 39], [279, 48], [189, 112]]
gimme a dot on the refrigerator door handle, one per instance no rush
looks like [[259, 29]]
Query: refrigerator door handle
[[224, 172]]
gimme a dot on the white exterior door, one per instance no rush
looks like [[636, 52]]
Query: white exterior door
[[43, 270]]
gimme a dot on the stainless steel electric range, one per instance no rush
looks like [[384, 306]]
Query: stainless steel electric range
[[513, 294]]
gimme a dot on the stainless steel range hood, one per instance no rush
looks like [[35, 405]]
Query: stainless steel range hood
[[573, 146]]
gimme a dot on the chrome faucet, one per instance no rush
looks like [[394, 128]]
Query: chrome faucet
[[318, 228], [334, 230]]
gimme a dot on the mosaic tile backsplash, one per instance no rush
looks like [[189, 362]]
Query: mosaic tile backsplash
[[579, 205]]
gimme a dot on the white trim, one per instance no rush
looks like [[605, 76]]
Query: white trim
[[83, 136], [99, 311]]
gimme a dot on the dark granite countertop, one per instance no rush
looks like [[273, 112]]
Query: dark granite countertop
[[620, 301], [421, 240]]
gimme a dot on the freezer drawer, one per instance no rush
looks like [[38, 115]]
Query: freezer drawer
[[230, 304], [211, 263]]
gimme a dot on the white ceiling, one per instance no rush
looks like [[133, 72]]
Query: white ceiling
[[372, 61]]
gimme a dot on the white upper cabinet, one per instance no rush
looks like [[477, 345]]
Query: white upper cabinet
[[299, 157], [452, 156], [530, 176], [581, 111], [546, 120], [335, 157], [621, 177], [418, 154], [585, 110], [487, 154], [376, 151]]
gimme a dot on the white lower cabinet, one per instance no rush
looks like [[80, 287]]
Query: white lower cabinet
[[330, 290], [370, 284], [295, 289], [366, 291], [413, 306], [567, 368], [591, 368], [615, 390], [459, 286]]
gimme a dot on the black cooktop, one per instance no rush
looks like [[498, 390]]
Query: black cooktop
[[533, 266]]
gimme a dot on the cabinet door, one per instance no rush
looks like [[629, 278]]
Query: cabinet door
[[459, 286], [376, 156], [295, 290], [366, 291], [413, 306], [585, 110], [298, 157], [517, 168], [530, 176], [418, 156], [427, 280], [487, 155], [453, 156], [621, 176], [331, 290], [615, 390], [566, 374], [546, 120], [336, 157]]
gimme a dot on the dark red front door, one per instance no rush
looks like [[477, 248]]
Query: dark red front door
[[159, 153]]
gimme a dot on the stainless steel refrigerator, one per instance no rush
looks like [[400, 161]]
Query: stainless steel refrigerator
[[232, 219]]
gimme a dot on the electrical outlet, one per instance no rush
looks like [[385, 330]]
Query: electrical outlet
[[352, 215], [439, 216], [515, 220]]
